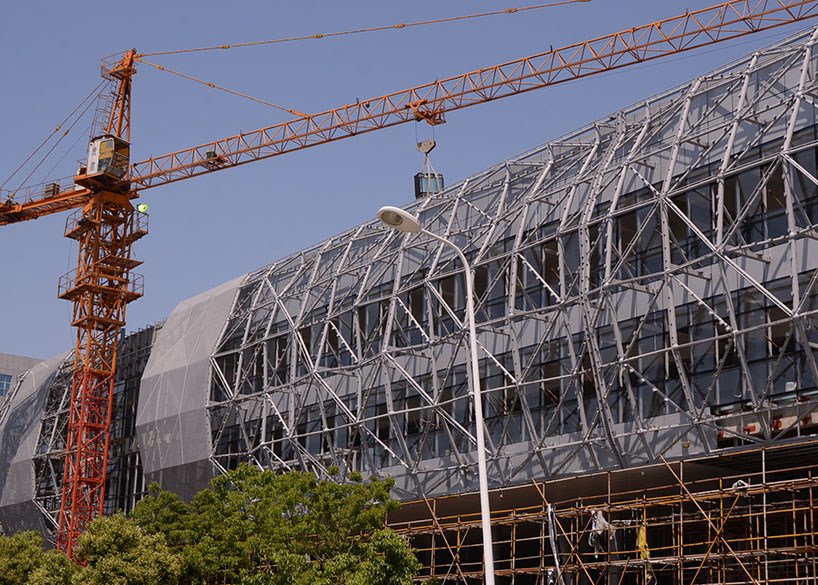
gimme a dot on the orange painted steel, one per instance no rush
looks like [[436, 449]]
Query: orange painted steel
[[431, 102], [107, 226], [119, 122], [100, 288]]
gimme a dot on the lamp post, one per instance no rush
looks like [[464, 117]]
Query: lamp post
[[399, 219]]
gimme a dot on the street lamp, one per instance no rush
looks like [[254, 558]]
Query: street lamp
[[399, 219]]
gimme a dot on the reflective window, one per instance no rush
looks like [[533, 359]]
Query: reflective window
[[5, 384]]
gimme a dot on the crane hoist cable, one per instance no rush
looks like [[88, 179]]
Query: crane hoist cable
[[56, 144], [366, 30], [102, 283], [140, 56], [50, 173]]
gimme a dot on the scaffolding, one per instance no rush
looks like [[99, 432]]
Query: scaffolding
[[747, 517], [646, 291]]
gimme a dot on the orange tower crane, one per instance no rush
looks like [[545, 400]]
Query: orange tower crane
[[106, 225]]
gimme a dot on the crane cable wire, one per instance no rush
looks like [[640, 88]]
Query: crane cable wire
[[56, 144], [257, 43], [94, 92], [364, 30], [139, 57], [49, 173], [214, 86]]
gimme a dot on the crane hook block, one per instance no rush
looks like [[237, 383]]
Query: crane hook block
[[426, 146]]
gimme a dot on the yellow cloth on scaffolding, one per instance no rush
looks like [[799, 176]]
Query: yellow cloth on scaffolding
[[644, 551], [642, 542]]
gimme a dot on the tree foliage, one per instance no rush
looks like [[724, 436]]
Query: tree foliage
[[116, 551], [55, 568], [251, 527], [256, 527], [20, 555]]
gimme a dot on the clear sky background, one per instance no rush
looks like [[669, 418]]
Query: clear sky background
[[208, 230]]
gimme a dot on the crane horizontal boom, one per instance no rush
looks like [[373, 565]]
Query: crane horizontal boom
[[432, 101], [40, 203]]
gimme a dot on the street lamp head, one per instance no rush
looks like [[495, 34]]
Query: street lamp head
[[399, 219]]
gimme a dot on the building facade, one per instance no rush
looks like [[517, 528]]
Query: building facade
[[647, 316], [11, 367], [646, 287]]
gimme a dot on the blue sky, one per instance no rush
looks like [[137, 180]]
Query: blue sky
[[211, 229]]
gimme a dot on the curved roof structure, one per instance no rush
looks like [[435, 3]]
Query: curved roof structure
[[645, 287]]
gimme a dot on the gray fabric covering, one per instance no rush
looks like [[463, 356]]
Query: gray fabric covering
[[171, 424], [18, 443]]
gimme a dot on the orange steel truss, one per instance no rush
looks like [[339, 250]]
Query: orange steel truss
[[100, 288], [107, 226], [119, 118], [432, 101]]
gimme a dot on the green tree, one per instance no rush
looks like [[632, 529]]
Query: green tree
[[162, 512], [20, 555], [255, 527], [389, 562], [116, 551], [297, 530], [55, 568]]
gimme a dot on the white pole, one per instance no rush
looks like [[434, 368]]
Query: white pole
[[485, 511]]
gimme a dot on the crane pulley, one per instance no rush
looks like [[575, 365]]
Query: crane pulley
[[106, 225]]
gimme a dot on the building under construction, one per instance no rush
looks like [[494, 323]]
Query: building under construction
[[647, 317]]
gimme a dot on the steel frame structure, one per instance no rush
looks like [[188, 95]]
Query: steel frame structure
[[646, 289], [125, 483], [646, 293], [5, 402], [106, 228], [100, 288]]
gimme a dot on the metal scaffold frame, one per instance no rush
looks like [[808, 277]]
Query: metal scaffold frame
[[681, 522], [645, 293], [125, 483], [103, 284]]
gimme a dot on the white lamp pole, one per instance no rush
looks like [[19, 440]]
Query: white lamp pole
[[401, 220]]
